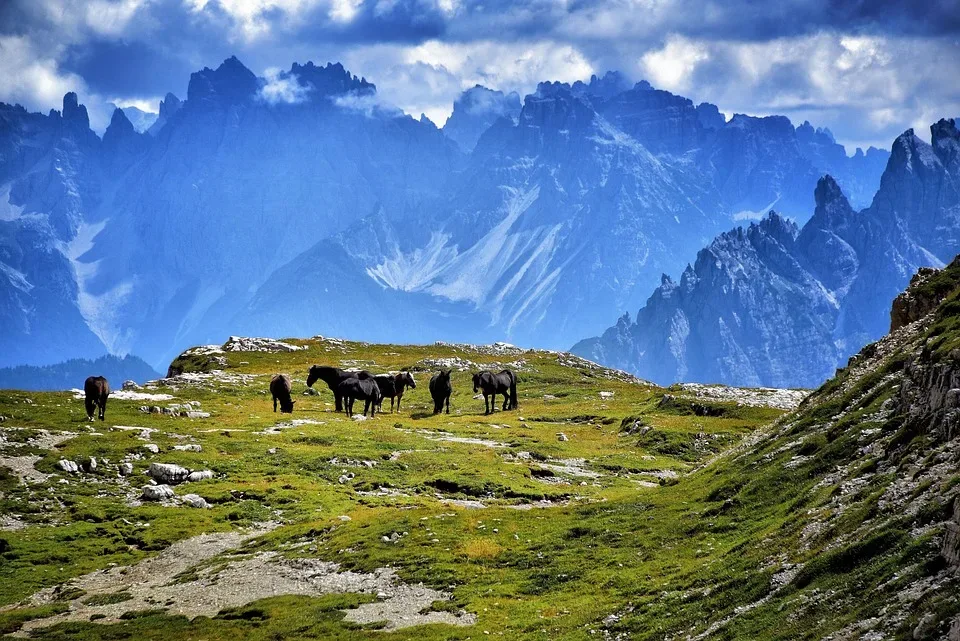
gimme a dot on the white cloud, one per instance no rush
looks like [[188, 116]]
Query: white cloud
[[672, 66], [281, 88], [32, 79]]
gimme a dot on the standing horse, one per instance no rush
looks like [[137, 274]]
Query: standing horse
[[333, 376], [492, 384], [440, 390], [96, 389], [280, 387], [365, 389], [392, 386]]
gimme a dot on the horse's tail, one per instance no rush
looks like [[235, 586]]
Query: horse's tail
[[513, 391]]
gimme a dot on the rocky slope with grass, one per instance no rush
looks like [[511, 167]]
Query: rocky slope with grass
[[605, 507]]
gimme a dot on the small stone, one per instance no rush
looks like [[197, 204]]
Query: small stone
[[168, 473], [310, 392], [562, 437], [152, 447], [190, 447], [272, 450], [195, 500], [68, 466], [195, 414], [200, 475], [90, 465], [606, 394], [345, 478], [157, 492], [126, 469], [344, 518]]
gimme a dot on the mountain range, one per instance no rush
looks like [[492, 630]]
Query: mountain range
[[302, 204], [775, 304]]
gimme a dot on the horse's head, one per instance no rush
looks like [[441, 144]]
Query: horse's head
[[313, 375], [287, 406], [476, 382], [406, 378]]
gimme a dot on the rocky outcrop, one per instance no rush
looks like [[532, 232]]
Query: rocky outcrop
[[927, 289]]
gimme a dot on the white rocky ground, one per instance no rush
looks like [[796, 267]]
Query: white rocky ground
[[153, 583]]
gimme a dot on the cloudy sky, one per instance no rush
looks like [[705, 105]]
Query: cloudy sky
[[866, 69]]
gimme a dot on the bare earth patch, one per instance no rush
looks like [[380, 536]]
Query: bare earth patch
[[152, 583], [23, 466]]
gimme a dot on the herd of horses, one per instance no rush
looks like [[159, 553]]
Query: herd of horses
[[349, 386]]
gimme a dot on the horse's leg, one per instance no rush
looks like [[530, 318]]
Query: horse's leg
[[338, 400], [103, 409], [448, 403], [274, 404], [91, 406]]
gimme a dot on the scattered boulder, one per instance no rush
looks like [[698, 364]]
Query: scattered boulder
[[126, 469], [562, 437], [157, 492], [152, 447], [606, 395], [345, 478], [168, 473], [311, 392], [199, 475], [190, 447], [195, 414], [68, 466], [90, 465], [195, 500], [130, 386], [248, 344]]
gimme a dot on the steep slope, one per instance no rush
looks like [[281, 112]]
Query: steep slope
[[774, 305]]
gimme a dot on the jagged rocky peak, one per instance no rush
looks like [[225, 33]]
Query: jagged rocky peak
[[119, 127], [169, 105], [779, 228], [831, 204], [554, 107], [710, 116], [945, 138], [476, 110], [611, 84], [330, 80], [230, 82], [74, 114]]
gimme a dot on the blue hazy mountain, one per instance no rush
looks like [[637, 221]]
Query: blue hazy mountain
[[782, 305], [302, 204]]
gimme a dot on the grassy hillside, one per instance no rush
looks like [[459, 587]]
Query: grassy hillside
[[604, 507]]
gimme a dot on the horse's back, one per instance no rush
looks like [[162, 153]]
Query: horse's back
[[96, 386]]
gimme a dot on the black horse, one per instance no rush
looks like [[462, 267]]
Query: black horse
[[333, 376], [365, 389], [96, 389], [492, 384], [440, 390], [392, 386], [280, 387]]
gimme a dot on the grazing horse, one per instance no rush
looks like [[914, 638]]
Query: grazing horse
[[392, 386], [333, 376], [280, 387], [440, 390], [492, 384], [96, 389], [365, 389]]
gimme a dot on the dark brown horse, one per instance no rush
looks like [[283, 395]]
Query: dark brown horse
[[280, 387], [333, 376], [440, 390], [365, 389], [492, 384], [96, 389], [392, 386]]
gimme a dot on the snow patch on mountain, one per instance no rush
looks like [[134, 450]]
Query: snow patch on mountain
[[8, 211], [101, 311], [414, 271]]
